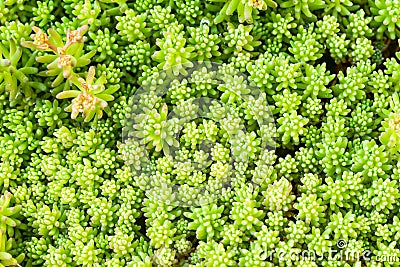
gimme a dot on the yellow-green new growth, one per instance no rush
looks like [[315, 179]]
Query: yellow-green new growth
[[390, 137], [244, 8], [7, 222], [6, 259]]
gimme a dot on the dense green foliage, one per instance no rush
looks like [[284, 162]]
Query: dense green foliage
[[76, 192]]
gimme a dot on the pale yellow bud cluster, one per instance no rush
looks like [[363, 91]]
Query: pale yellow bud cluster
[[259, 4], [40, 39], [76, 36], [83, 103], [394, 123]]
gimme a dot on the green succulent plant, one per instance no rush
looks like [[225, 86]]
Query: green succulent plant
[[15, 70]]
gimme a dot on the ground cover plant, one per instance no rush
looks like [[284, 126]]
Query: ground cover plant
[[199, 133]]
